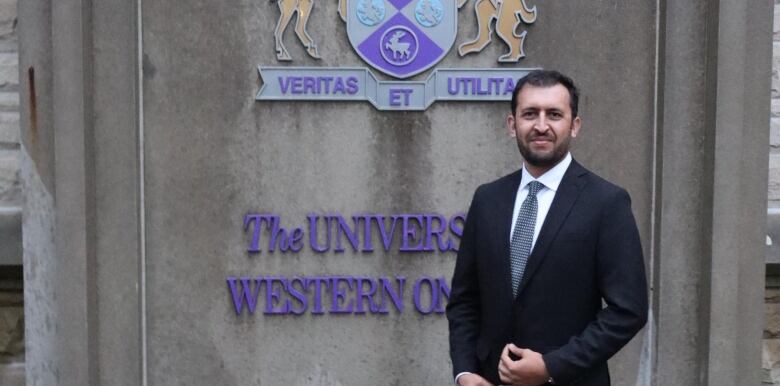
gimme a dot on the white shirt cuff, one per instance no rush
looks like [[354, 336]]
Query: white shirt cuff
[[460, 375]]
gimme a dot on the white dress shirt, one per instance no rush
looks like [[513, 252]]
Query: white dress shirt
[[551, 179]]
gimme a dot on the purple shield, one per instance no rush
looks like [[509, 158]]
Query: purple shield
[[398, 44]]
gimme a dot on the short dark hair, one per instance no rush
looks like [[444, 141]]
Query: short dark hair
[[548, 78]]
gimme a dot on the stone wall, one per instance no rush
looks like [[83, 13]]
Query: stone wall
[[771, 355], [11, 287]]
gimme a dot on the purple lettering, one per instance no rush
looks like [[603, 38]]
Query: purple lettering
[[495, 85], [343, 229], [396, 296], [400, 96], [272, 296], [409, 232], [338, 87], [456, 229], [309, 85], [246, 293], [326, 80], [509, 87], [395, 97], [387, 237], [317, 281], [434, 295], [297, 85], [480, 90], [338, 295], [368, 246], [284, 84], [295, 243], [437, 232], [278, 237], [362, 296], [407, 92], [352, 85], [452, 87], [271, 220], [313, 224], [299, 295]]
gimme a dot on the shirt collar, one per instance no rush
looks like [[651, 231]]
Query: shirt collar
[[551, 179]]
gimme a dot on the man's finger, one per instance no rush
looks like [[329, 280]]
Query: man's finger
[[503, 374], [505, 355], [520, 352]]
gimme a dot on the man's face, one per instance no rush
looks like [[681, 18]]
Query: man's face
[[543, 124]]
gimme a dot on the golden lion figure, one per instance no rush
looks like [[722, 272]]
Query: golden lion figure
[[288, 8], [303, 7], [508, 15]]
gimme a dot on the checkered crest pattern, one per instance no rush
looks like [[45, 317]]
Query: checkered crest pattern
[[523, 234]]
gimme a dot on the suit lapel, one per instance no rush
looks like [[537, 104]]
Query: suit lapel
[[504, 210], [565, 197]]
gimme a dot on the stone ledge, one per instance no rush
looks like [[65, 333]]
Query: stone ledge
[[10, 236], [9, 119], [771, 361], [12, 374], [773, 188], [10, 183]]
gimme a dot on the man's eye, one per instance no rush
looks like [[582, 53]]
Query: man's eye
[[529, 114], [556, 115]]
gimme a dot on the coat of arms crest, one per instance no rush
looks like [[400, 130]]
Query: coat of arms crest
[[402, 37]]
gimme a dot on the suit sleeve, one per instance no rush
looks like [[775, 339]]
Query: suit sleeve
[[623, 286], [463, 309]]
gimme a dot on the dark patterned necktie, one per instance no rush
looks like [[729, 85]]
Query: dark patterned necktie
[[523, 234]]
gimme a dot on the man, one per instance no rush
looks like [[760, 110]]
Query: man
[[541, 249]]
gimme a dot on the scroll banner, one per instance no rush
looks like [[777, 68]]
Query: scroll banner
[[359, 84]]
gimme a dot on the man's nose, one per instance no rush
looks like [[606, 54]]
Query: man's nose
[[541, 123]]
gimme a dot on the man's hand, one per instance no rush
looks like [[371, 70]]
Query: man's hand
[[473, 380], [528, 370]]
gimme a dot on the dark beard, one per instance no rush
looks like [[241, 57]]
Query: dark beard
[[543, 160]]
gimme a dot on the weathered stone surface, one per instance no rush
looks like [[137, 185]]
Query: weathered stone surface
[[774, 132], [10, 252], [9, 68], [10, 187], [772, 295], [776, 27], [776, 107], [9, 124], [11, 332], [9, 101], [12, 374], [770, 361], [774, 177], [772, 320], [7, 19], [776, 69]]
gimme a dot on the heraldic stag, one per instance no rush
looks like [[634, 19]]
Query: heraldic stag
[[400, 49]]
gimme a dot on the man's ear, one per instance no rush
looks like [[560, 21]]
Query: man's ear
[[576, 124], [510, 125]]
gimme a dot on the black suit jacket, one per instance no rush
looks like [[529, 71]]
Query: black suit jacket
[[588, 250]]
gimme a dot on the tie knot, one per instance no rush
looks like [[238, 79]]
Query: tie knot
[[534, 187]]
